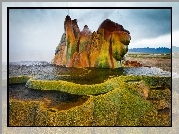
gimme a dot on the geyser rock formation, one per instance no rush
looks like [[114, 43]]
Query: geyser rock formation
[[104, 48]]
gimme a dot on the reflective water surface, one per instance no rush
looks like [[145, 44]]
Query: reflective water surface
[[45, 71]]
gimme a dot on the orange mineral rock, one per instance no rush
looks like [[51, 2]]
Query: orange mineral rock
[[104, 48]]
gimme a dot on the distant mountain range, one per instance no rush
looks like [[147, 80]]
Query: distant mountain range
[[155, 50]]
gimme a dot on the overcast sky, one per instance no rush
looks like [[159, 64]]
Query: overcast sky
[[35, 33]]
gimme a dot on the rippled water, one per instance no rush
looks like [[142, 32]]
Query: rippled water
[[46, 71]]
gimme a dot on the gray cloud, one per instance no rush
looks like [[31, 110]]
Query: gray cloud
[[36, 33], [148, 23], [143, 23]]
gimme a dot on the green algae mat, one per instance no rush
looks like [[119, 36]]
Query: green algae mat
[[118, 101]]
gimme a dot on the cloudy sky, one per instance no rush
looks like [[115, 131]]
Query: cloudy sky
[[35, 33]]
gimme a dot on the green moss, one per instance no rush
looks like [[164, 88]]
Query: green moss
[[160, 94], [125, 107], [132, 107], [156, 81], [73, 88], [120, 107], [117, 103], [22, 113], [31, 113], [131, 78], [106, 109], [18, 79], [150, 118], [78, 116]]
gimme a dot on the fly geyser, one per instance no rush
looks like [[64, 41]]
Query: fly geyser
[[104, 48]]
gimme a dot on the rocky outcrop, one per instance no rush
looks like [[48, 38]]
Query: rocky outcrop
[[104, 48], [128, 63]]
